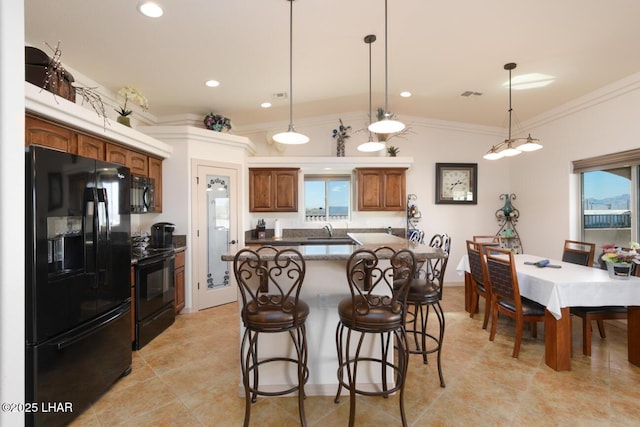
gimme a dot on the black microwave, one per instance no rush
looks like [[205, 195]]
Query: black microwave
[[142, 194]]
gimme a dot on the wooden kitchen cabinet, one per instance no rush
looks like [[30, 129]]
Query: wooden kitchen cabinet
[[273, 190], [180, 282], [381, 189], [47, 134], [155, 172], [91, 147], [137, 162]]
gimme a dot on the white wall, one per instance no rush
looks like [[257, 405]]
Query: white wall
[[12, 209], [602, 122]]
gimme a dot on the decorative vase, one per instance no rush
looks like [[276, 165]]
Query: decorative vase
[[507, 208], [340, 149], [619, 271], [125, 120]]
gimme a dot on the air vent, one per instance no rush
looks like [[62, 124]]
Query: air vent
[[470, 93], [280, 96]]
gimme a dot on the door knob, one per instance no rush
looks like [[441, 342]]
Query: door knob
[[233, 242]]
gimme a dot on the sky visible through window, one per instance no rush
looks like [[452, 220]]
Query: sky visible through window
[[602, 185]]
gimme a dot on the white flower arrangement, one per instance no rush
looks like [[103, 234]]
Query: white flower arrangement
[[129, 93]]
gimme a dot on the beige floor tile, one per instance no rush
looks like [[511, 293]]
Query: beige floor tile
[[189, 376]]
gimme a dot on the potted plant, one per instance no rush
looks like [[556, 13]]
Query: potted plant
[[129, 93], [217, 122], [340, 135], [393, 151]]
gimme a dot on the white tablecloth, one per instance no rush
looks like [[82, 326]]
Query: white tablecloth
[[569, 286]]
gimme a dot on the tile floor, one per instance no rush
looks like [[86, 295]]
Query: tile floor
[[188, 376]]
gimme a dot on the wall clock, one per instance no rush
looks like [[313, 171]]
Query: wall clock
[[457, 183]]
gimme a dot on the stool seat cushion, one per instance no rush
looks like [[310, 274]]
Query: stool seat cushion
[[370, 316], [422, 291], [271, 317]]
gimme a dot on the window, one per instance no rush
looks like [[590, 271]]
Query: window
[[327, 197], [609, 194]]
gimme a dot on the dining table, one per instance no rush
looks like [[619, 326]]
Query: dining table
[[567, 285]]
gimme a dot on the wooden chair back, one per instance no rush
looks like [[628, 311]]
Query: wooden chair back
[[492, 239], [477, 264], [501, 272], [577, 252]]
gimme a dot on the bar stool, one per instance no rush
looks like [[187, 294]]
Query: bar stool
[[270, 281], [425, 292], [376, 308]]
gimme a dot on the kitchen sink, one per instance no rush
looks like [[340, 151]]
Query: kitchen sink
[[328, 241]]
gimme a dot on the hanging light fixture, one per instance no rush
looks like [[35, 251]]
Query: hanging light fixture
[[512, 146], [386, 125], [290, 136], [370, 145]]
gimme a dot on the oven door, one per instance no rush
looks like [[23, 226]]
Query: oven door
[[155, 286]]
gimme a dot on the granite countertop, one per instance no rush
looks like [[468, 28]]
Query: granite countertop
[[320, 252]]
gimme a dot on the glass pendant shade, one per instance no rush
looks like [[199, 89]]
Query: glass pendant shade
[[290, 137], [510, 150], [530, 144], [493, 154], [386, 125], [371, 146]]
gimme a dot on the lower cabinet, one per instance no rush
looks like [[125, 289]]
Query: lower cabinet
[[179, 282]]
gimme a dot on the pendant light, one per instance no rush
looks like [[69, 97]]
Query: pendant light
[[370, 145], [512, 146], [386, 125], [290, 136]]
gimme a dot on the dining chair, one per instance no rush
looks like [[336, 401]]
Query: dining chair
[[481, 287], [577, 252], [582, 253], [378, 281], [506, 298], [270, 281], [425, 292]]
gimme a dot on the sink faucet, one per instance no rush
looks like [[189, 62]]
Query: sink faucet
[[329, 229]]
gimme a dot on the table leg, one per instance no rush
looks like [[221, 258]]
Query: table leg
[[557, 340], [468, 292], [633, 334]]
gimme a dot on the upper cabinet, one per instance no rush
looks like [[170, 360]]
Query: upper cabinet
[[273, 189], [155, 172], [41, 132], [381, 189]]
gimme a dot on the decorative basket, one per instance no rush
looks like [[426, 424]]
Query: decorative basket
[[619, 271]]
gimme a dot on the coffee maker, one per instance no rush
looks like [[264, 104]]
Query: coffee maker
[[162, 235]]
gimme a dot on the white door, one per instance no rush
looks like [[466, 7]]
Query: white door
[[216, 234]]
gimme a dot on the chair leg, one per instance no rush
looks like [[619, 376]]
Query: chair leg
[[494, 320], [487, 309], [586, 335], [474, 302], [300, 342], [440, 314], [516, 345], [534, 329], [603, 334]]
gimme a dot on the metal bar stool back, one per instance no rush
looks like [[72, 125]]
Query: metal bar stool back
[[270, 281], [378, 280]]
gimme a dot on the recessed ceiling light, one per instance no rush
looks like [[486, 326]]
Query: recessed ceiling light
[[212, 83], [405, 94], [150, 9], [266, 105], [529, 81]]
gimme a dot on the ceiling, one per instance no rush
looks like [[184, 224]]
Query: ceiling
[[436, 50]]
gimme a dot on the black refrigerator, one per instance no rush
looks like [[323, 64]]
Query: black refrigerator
[[78, 294]]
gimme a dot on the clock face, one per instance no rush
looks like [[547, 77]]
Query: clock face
[[456, 184]]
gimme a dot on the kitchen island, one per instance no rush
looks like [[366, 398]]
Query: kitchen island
[[325, 284]]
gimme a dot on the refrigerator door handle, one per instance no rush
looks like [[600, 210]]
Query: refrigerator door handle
[[89, 226]]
